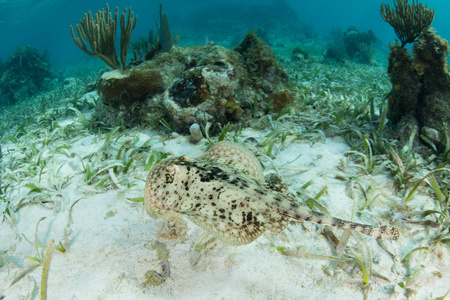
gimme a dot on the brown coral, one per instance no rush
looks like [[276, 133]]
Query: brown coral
[[136, 83]]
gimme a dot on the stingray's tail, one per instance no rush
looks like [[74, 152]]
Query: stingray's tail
[[298, 212], [383, 232]]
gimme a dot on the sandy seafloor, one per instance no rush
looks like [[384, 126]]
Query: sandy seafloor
[[112, 243]]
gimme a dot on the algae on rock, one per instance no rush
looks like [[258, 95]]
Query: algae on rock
[[420, 95]]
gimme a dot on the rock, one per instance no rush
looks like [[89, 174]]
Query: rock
[[190, 85], [191, 88], [299, 54], [196, 133], [420, 92], [131, 85], [280, 99], [153, 278], [260, 62], [431, 134]]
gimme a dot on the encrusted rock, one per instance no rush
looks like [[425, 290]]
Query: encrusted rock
[[280, 99], [431, 134], [260, 62], [123, 94], [421, 85], [130, 85], [202, 84], [196, 133]]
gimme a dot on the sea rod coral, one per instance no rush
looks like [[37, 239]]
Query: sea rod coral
[[100, 33]]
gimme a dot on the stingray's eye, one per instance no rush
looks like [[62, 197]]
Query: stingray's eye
[[171, 171]]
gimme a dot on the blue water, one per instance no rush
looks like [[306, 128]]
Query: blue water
[[45, 24]]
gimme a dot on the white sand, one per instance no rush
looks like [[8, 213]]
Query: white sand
[[112, 239]]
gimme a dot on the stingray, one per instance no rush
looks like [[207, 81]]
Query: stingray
[[223, 191]]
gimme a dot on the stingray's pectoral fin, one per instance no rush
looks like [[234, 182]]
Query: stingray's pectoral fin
[[275, 223], [228, 232], [170, 215]]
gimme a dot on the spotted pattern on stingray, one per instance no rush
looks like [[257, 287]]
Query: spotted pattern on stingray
[[223, 192]]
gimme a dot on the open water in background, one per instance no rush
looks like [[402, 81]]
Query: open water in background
[[45, 24]]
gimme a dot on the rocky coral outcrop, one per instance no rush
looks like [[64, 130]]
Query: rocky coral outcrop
[[26, 72], [420, 96], [261, 65], [193, 85], [358, 44]]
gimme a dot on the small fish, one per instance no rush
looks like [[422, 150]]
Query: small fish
[[223, 191]]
